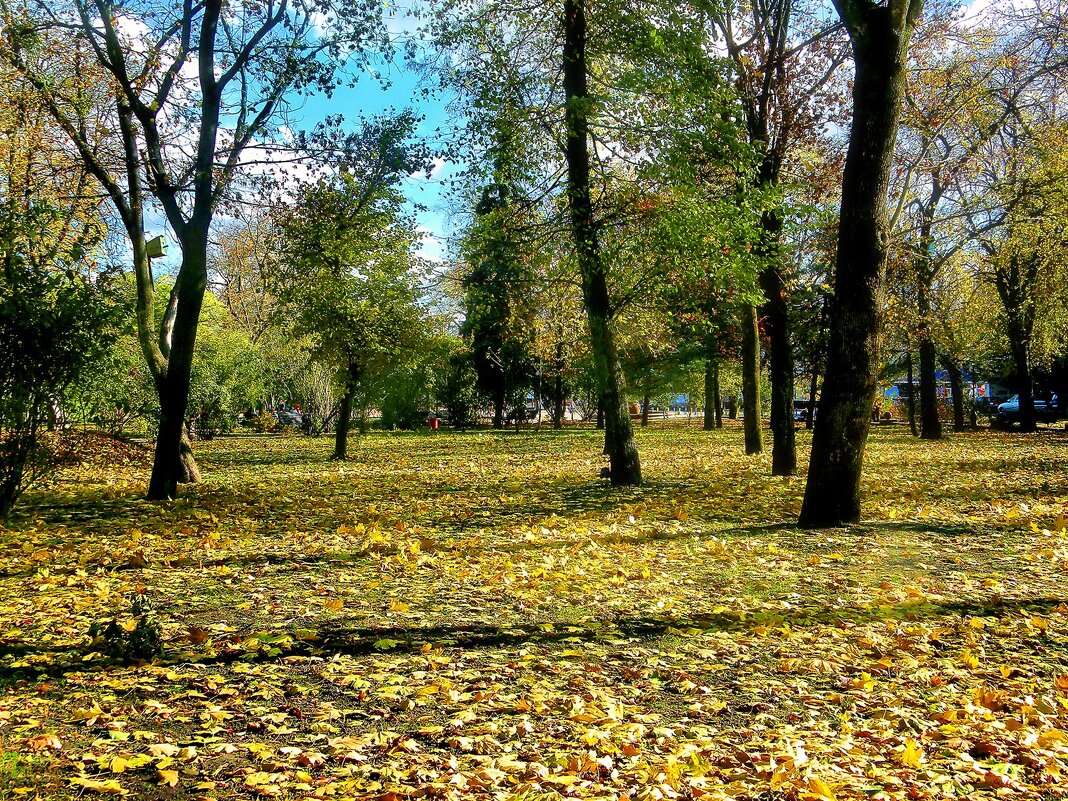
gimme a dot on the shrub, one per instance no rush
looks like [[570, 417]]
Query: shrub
[[53, 324]]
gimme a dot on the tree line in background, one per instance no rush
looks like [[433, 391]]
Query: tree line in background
[[760, 200]]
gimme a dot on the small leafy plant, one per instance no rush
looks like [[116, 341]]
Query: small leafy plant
[[138, 638]]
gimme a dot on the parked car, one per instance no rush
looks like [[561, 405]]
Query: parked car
[[1009, 411]]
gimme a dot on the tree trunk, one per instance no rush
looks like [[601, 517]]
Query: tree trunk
[[599, 424], [879, 35], [1015, 281], [813, 395], [344, 420], [1021, 357], [169, 465], [645, 411], [498, 410], [624, 464], [911, 405], [732, 407], [558, 403], [956, 386], [156, 346], [710, 394], [751, 380], [777, 327], [717, 398], [930, 425]]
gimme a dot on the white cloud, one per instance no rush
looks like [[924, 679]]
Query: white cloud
[[437, 166]]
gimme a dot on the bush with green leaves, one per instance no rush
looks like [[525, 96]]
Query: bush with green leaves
[[227, 376], [53, 325], [456, 390], [408, 392]]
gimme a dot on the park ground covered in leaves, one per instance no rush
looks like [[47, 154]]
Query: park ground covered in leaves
[[478, 616]]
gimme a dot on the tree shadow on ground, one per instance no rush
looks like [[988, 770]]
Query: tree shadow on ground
[[696, 531], [59, 661]]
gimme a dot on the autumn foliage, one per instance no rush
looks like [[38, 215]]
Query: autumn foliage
[[471, 616]]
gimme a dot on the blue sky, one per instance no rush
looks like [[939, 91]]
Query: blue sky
[[401, 89]]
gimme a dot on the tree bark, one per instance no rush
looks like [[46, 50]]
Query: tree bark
[[168, 463], [1021, 358], [624, 464], [710, 394], [498, 410], [1015, 281], [718, 398], [956, 386], [751, 380], [926, 269], [777, 326], [879, 36], [341, 429], [188, 471], [645, 411]]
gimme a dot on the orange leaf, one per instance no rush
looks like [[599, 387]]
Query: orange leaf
[[43, 741]]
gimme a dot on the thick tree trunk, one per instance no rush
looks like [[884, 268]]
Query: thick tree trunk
[[599, 424], [777, 327], [344, 422], [880, 43], [169, 466], [956, 387], [645, 411], [751, 380], [732, 407], [930, 425], [710, 394], [624, 464], [1021, 357]]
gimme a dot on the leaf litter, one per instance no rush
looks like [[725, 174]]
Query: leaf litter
[[476, 616]]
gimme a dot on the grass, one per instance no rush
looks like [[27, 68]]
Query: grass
[[18, 771], [480, 616]]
